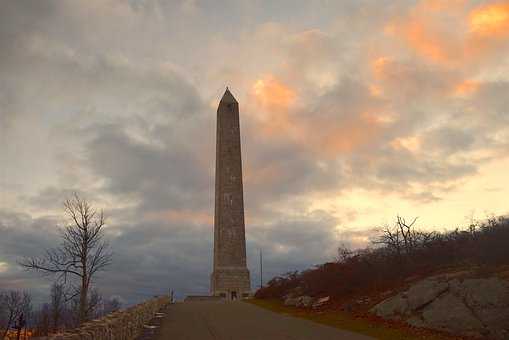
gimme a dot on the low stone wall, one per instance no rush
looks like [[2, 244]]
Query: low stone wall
[[125, 324], [192, 298]]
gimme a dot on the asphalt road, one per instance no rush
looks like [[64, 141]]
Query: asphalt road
[[240, 321]]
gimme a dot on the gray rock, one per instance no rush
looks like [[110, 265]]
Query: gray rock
[[488, 299], [305, 301], [416, 297], [494, 318], [473, 307], [291, 301], [449, 313], [424, 292], [482, 293], [416, 321], [392, 308]]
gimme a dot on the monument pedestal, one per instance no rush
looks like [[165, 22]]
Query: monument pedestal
[[231, 283]]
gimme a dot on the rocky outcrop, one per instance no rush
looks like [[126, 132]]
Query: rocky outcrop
[[291, 301], [299, 301], [468, 306], [121, 325], [305, 301]]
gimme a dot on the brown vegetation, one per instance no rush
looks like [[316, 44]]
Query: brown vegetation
[[398, 254], [14, 308]]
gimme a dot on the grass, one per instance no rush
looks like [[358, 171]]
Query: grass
[[346, 321]]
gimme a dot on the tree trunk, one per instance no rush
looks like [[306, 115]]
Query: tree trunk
[[8, 326], [83, 300]]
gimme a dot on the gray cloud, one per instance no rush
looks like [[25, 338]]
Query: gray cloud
[[115, 100]]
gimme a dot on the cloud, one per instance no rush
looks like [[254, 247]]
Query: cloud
[[116, 100], [490, 19]]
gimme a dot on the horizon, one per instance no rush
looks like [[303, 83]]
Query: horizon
[[351, 113]]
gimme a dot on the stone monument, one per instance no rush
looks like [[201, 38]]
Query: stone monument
[[230, 276]]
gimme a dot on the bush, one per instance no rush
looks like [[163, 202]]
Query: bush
[[398, 253]]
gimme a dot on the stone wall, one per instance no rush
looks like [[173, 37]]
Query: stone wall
[[193, 298], [125, 324]]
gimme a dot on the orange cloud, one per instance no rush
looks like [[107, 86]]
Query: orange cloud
[[375, 90], [347, 136], [378, 66], [273, 101], [426, 43], [490, 20], [465, 88], [426, 39], [449, 34], [265, 175], [271, 93], [412, 144], [181, 216], [441, 5], [280, 119]]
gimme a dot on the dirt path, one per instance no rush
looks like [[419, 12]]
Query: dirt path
[[240, 321]]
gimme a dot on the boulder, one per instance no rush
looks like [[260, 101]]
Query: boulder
[[418, 296], [305, 301], [488, 299], [482, 293], [392, 308], [416, 321], [321, 302], [424, 292], [449, 313], [471, 307], [291, 301]]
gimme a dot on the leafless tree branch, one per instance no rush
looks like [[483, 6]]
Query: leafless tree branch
[[82, 253]]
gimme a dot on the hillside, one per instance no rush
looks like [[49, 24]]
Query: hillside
[[404, 264]]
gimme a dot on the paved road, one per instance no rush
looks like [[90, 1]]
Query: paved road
[[240, 321]]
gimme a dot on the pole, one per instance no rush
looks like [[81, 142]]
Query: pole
[[261, 269]]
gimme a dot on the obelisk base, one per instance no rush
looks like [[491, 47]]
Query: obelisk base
[[231, 283]]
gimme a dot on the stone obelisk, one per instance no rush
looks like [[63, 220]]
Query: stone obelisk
[[230, 276]]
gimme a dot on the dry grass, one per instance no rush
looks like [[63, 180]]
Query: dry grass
[[346, 321]]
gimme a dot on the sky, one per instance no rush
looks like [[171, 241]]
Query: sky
[[352, 112]]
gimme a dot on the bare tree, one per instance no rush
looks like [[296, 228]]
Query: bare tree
[[403, 239], [344, 254], [391, 239], [42, 324], [408, 233], [81, 254], [13, 304], [94, 303], [57, 305], [112, 305]]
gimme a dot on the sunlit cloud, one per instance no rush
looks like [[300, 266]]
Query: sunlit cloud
[[466, 88], [3, 267], [379, 65], [361, 110], [273, 104], [449, 33], [347, 138], [272, 93], [375, 90], [412, 144], [490, 20], [180, 216]]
